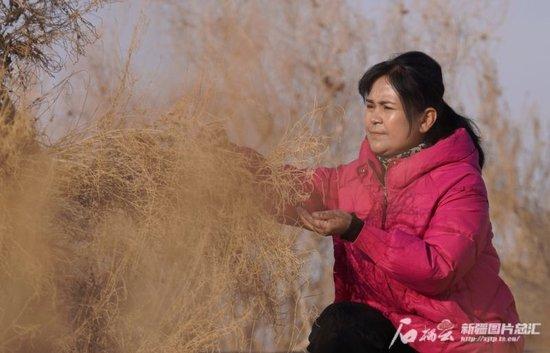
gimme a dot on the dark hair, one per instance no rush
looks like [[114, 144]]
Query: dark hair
[[417, 79], [348, 327]]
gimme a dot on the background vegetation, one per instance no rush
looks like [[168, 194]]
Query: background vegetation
[[128, 222]]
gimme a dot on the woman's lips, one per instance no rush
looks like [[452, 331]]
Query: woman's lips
[[372, 133]]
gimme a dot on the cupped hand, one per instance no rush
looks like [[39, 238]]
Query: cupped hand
[[325, 222]]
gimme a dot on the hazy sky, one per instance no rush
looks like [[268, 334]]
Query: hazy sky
[[522, 50], [523, 55]]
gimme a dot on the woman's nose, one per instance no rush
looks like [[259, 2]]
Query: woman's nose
[[374, 118]]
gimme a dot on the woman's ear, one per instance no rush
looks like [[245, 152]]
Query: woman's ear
[[428, 119]]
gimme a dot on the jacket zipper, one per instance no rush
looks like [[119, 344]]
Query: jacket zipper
[[385, 198], [384, 201]]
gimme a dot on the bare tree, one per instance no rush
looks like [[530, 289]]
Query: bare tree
[[33, 36]]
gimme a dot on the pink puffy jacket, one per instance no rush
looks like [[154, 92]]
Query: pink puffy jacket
[[425, 250]]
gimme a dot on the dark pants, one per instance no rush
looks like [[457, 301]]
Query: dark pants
[[353, 328]]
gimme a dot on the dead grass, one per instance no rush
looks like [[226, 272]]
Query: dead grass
[[150, 238]]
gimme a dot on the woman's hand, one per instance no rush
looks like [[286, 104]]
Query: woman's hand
[[325, 222]]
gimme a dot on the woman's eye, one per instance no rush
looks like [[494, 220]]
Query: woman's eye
[[388, 108]]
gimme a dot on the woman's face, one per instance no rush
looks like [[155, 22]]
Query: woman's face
[[386, 125]]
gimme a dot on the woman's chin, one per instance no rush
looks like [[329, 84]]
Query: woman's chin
[[377, 148]]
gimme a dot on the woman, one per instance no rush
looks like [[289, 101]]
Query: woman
[[409, 218]]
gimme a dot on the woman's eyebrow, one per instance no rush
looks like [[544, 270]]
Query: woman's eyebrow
[[379, 102]]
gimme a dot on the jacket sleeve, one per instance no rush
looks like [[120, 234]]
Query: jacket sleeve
[[432, 264]]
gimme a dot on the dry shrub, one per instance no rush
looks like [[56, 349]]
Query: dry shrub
[[143, 238], [516, 175], [29, 315]]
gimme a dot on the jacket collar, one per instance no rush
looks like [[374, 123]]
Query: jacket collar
[[456, 147], [390, 160]]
